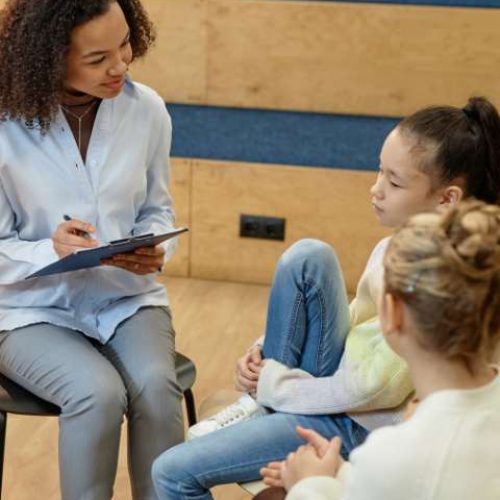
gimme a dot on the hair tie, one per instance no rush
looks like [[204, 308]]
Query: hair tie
[[471, 114], [411, 285]]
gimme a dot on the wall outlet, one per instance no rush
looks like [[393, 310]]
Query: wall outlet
[[258, 226]]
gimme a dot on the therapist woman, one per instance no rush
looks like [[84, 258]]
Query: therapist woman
[[79, 138]]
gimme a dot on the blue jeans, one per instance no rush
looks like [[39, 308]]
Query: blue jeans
[[308, 321]]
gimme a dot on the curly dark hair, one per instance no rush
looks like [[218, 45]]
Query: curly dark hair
[[35, 37]]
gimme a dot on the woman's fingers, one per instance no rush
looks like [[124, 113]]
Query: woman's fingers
[[71, 236]]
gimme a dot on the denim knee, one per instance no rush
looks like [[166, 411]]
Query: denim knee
[[171, 474], [308, 251]]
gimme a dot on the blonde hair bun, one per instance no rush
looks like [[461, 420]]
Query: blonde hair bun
[[473, 231], [446, 267]]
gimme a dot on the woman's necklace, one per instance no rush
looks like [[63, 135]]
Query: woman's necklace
[[80, 118]]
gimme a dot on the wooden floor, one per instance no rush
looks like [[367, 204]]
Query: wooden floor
[[215, 323]]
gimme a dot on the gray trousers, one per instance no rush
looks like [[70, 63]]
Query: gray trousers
[[95, 386]]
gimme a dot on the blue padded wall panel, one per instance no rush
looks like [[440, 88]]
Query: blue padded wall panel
[[290, 138]]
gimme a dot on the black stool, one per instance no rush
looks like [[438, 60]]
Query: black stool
[[15, 399]]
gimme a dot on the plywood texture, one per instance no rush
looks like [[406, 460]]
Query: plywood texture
[[349, 58], [176, 66], [180, 189], [329, 204], [371, 59]]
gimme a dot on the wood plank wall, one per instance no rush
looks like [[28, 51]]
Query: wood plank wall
[[370, 59], [329, 204]]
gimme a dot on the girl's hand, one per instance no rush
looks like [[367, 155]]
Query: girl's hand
[[318, 442], [248, 370], [72, 235], [306, 463], [271, 474], [144, 260]]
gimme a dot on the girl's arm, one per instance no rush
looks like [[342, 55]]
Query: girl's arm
[[370, 377]]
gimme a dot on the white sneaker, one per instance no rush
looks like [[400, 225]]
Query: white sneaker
[[244, 409]]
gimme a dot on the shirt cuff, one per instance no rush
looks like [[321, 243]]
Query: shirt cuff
[[44, 253]]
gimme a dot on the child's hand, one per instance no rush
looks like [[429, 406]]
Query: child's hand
[[271, 474], [248, 369], [306, 463], [319, 443]]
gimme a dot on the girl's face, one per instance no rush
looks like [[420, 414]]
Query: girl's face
[[99, 55], [401, 189]]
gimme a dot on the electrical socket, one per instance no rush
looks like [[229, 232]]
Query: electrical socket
[[259, 226]]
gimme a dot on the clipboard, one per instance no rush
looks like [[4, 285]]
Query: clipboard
[[85, 258]]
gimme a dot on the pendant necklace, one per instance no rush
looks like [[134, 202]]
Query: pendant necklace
[[80, 118]]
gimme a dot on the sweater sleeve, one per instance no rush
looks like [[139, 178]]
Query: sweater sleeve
[[364, 304], [316, 488], [321, 487], [370, 376]]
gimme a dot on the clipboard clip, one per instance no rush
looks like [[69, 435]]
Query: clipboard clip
[[131, 240]]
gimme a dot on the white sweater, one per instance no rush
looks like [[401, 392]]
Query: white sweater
[[371, 384], [448, 450]]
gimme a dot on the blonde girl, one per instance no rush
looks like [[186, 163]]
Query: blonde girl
[[440, 312]]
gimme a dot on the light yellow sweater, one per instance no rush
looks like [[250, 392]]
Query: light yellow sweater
[[371, 384]]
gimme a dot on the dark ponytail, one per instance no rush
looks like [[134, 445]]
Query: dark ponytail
[[464, 143]]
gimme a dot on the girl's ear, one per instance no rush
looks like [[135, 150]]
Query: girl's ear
[[451, 195], [393, 316]]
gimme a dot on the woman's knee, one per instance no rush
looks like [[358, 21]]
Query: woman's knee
[[104, 395], [156, 381]]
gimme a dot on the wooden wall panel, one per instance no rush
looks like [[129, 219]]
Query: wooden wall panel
[[180, 189], [373, 59], [369, 59], [349, 58], [332, 205], [176, 66]]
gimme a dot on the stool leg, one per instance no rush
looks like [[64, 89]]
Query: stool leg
[[3, 428], [190, 406]]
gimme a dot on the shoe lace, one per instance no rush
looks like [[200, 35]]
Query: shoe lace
[[229, 414]]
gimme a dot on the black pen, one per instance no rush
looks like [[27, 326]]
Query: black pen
[[78, 232]]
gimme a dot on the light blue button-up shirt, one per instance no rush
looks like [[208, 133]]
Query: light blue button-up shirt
[[122, 190]]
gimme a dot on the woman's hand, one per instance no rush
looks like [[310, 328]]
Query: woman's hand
[[72, 235], [248, 370], [144, 260], [305, 462]]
